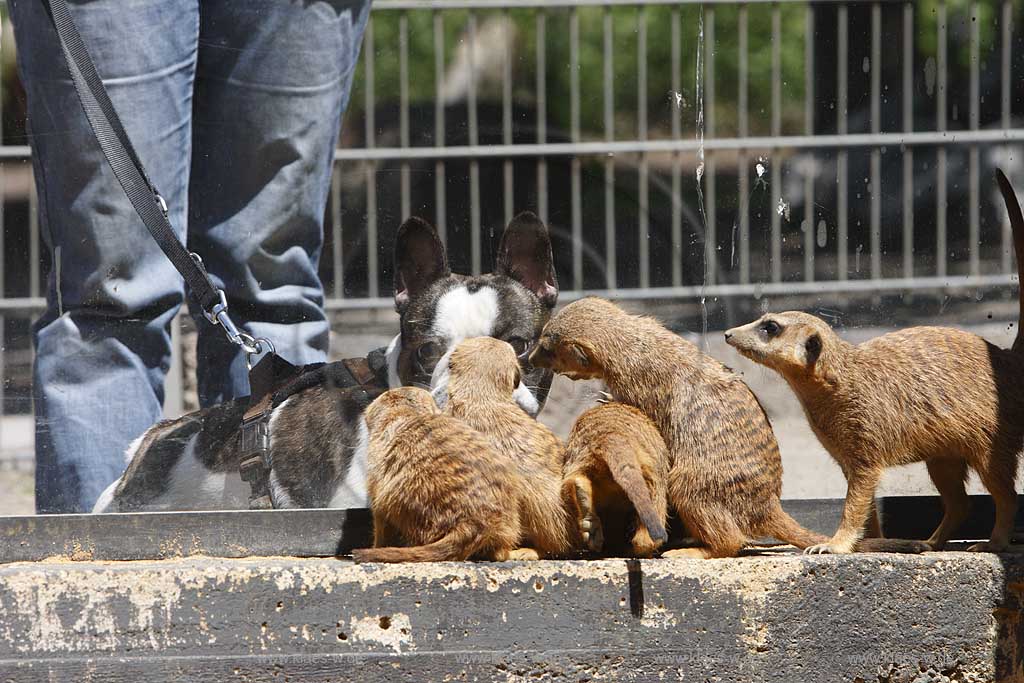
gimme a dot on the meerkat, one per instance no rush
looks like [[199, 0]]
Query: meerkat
[[437, 486], [934, 394], [725, 472], [615, 468], [483, 374]]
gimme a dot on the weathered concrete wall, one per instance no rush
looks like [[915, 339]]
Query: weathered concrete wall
[[778, 617]]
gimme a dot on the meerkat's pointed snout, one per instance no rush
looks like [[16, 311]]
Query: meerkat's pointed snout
[[740, 337]]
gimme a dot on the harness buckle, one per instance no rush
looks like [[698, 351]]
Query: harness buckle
[[256, 464]]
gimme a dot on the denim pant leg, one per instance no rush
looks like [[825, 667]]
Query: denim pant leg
[[102, 346], [272, 83]]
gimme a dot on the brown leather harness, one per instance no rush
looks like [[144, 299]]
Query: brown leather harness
[[273, 381]]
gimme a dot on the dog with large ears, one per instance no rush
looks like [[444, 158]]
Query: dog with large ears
[[318, 437], [439, 308]]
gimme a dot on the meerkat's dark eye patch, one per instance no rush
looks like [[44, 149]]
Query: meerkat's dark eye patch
[[771, 328]]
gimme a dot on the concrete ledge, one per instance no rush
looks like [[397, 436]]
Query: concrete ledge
[[773, 616]]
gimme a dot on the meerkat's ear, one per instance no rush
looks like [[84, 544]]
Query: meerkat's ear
[[525, 256], [420, 260], [812, 348], [518, 378]]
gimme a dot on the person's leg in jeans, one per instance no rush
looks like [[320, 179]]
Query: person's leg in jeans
[[102, 346], [272, 83]]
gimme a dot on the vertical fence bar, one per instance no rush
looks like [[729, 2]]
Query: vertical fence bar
[[506, 116], [940, 125], [33, 243], [174, 390], [908, 152], [3, 247], [33, 237], [371, 166], [542, 114], [876, 153], [3, 250], [710, 163], [574, 125], [742, 170], [677, 113], [842, 246], [776, 163], [1005, 93], [474, 165], [609, 161], [440, 188], [403, 115], [337, 239], [973, 224], [808, 222], [641, 78]]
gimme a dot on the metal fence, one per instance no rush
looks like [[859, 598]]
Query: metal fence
[[775, 252], [859, 170]]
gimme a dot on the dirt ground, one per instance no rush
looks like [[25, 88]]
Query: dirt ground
[[16, 494]]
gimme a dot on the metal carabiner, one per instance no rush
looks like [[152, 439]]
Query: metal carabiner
[[218, 315], [255, 347]]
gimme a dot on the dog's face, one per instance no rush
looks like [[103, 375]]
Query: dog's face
[[439, 308]]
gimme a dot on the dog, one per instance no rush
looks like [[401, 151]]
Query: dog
[[318, 438]]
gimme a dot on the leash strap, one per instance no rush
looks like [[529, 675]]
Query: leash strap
[[131, 174]]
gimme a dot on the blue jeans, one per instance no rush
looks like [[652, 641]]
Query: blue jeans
[[234, 108]]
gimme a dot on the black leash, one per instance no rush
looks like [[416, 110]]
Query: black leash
[[131, 174]]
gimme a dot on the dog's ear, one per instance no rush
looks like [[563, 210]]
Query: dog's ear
[[419, 260], [525, 256]]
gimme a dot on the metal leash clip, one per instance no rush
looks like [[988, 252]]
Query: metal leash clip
[[218, 315]]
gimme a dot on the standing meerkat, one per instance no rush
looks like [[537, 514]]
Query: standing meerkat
[[934, 394], [725, 473], [615, 468], [437, 486], [483, 374]]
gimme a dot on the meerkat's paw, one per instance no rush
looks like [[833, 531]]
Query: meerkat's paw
[[987, 547], [592, 532], [826, 549], [523, 554], [687, 553]]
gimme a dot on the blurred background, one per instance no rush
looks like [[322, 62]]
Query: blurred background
[[702, 162]]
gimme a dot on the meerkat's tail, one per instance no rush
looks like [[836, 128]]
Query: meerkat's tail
[[1017, 227], [788, 530], [457, 544], [625, 470]]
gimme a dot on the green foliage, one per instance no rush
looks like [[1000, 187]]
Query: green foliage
[[624, 57]]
